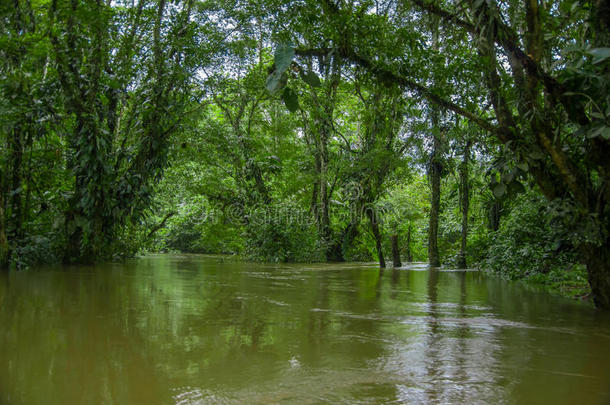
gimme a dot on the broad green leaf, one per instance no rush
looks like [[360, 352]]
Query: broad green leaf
[[600, 54], [290, 99], [516, 187], [311, 78], [273, 81], [499, 190], [602, 131], [284, 54], [283, 81]]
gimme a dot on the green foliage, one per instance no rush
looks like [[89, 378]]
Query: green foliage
[[158, 126], [569, 281], [282, 233], [198, 229], [35, 250], [407, 210], [290, 99], [527, 244]]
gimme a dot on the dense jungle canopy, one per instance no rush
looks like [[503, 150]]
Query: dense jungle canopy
[[471, 132]]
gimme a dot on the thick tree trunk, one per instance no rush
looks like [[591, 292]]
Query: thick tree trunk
[[313, 208], [464, 200], [597, 260], [601, 22], [434, 175], [377, 234], [395, 251], [324, 218]]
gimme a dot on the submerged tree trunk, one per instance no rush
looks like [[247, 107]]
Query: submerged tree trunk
[[377, 234], [464, 200], [395, 250], [434, 175]]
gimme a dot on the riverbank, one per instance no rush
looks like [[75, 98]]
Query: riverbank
[[570, 283]]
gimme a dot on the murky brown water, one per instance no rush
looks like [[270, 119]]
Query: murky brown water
[[202, 330]]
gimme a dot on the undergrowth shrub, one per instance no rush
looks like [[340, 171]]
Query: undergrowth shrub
[[527, 244], [282, 232]]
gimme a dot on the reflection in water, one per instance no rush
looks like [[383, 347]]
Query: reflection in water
[[198, 330]]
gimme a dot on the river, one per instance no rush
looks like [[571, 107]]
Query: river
[[195, 329]]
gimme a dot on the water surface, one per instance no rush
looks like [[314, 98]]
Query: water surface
[[204, 330]]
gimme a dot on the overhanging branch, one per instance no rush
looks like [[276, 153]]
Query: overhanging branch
[[387, 76], [508, 40]]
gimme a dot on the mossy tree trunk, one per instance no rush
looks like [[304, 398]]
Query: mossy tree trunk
[[434, 174], [464, 203]]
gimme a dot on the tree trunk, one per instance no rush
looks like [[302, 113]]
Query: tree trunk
[[324, 220], [350, 233], [15, 220], [597, 260], [28, 180], [3, 240], [375, 228], [464, 200], [395, 251], [434, 175], [494, 215], [409, 254], [313, 208]]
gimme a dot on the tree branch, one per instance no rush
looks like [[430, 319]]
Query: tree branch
[[161, 224], [387, 76], [508, 40]]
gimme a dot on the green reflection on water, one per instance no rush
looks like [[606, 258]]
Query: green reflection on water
[[199, 329]]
